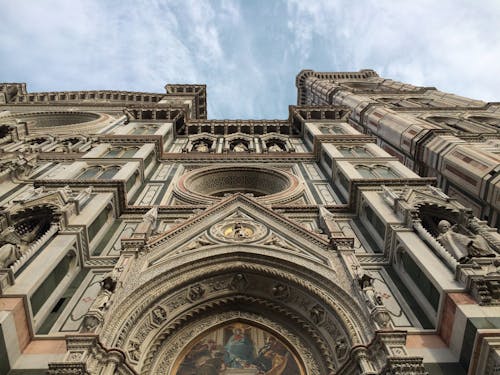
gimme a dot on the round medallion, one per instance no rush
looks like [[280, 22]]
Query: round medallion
[[238, 231]]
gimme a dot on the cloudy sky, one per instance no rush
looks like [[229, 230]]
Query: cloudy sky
[[248, 52]]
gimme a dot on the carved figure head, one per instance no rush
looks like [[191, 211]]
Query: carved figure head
[[444, 226]]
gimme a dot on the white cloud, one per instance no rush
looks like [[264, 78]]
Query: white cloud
[[453, 45], [248, 53]]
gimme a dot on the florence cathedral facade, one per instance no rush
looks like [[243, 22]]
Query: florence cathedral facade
[[357, 236]]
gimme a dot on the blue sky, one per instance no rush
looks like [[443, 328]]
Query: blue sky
[[248, 52]]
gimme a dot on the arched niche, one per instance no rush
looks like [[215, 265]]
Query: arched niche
[[32, 223], [238, 143], [202, 145], [276, 145], [431, 214], [5, 130]]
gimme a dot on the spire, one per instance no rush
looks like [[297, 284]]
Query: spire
[[148, 224], [328, 223]]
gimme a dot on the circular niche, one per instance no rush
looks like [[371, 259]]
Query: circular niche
[[266, 184], [42, 120]]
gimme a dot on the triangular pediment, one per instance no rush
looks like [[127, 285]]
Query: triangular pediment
[[416, 198], [40, 197], [238, 221]]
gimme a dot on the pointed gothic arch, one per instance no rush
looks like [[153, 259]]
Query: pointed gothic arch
[[308, 308]]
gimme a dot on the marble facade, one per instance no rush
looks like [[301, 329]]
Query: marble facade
[[139, 237]]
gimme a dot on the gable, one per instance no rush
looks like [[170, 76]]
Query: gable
[[241, 222]]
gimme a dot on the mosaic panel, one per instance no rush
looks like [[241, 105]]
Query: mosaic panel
[[238, 349]]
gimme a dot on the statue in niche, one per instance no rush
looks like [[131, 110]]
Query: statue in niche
[[372, 297], [275, 147], [239, 231], [460, 246], [101, 302], [201, 147], [240, 147], [9, 253], [108, 285]]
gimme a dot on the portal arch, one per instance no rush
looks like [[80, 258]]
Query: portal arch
[[322, 314]]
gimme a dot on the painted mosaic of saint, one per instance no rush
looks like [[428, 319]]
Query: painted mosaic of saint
[[239, 349]]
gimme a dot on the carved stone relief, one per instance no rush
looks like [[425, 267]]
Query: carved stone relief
[[159, 315], [180, 298], [213, 294], [238, 229]]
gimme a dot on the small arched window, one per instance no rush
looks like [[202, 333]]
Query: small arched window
[[356, 151], [37, 141], [121, 152], [89, 173], [145, 129], [114, 152], [361, 151], [71, 141], [365, 171], [327, 129], [99, 173], [109, 172], [376, 171], [129, 152], [384, 172]]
